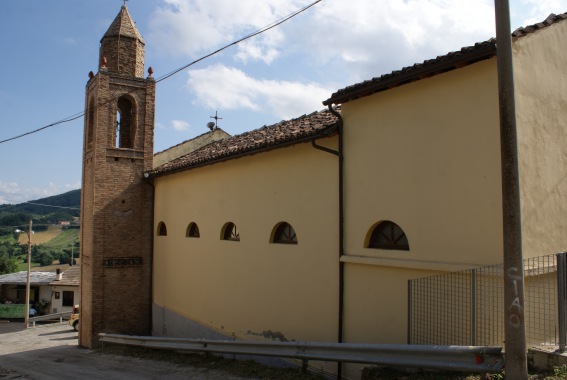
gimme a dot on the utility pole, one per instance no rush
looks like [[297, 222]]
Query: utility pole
[[27, 316], [514, 324]]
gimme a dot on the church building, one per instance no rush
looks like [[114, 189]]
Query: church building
[[309, 229]]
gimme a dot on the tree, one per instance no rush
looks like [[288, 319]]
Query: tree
[[8, 265], [65, 258], [44, 258]]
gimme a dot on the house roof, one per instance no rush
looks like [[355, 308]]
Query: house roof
[[123, 26], [20, 278], [188, 146], [450, 61], [302, 129], [71, 277]]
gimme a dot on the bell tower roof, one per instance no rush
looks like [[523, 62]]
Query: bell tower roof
[[123, 26], [122, 47]]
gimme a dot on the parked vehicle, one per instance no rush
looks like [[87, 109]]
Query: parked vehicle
[[74, 321]]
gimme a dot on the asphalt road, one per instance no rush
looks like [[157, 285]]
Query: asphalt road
[[51, 352]]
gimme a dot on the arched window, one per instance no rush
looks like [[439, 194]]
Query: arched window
[[161, 229], [125, 123], [388, 235], [229, 232], [284, 234], [192, 230]]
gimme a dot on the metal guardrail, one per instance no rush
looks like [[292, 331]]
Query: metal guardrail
[[49, 317], [487, 359]]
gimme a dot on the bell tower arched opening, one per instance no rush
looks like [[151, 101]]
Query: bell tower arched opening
[[125, 123]]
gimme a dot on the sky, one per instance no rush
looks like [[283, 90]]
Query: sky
[[49, 47]]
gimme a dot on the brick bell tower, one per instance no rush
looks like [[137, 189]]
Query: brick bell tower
[[116, 202]]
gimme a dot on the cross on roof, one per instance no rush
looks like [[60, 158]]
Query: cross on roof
[[125, 2], [217, 118]]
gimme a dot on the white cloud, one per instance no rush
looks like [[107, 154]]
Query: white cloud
[[219, 86], [180, 125], [535, 11], [334, 41], [365, 34], [194, 27], [375, 38]]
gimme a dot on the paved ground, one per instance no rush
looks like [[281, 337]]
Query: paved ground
[[51, 352]]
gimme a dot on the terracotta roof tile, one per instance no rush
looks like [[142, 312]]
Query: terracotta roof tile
[[123, 26], [438, 65], [550, 20], [304, 128]]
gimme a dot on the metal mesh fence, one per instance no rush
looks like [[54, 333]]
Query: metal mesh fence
[[467, 307]]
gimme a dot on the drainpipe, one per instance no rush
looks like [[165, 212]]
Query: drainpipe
[[340, 154], [341, 236]]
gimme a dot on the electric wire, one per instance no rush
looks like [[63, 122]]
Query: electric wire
[[172, 73]]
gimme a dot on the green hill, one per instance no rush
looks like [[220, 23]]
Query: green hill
[[44, 211], [51, 242]]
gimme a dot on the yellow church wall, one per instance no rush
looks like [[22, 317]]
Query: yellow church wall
[[374, 311], [375, 306], [541, 111], [252, 289], [426, 156]]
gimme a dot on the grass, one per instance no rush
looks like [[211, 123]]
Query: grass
[[251, 369], [65, 239], [24, 266], [559, 373], [242, 368]]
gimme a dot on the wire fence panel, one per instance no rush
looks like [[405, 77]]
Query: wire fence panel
[[467, 307]]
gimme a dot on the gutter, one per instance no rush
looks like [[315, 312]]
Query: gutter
[[339, 154]]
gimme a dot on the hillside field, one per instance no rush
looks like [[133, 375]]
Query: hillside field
[[53, 237]]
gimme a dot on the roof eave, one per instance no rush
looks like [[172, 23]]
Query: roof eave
[[425, 71], [329, 131]]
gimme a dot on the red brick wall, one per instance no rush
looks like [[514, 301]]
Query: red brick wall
[[117, 214]]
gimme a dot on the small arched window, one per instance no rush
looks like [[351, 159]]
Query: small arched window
[[125, 123], [284, 234], [192, 230], [229, 232], [161, 229], [388, 235]]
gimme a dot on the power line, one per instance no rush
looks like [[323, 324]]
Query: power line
[[259, 31], [172, 73]]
